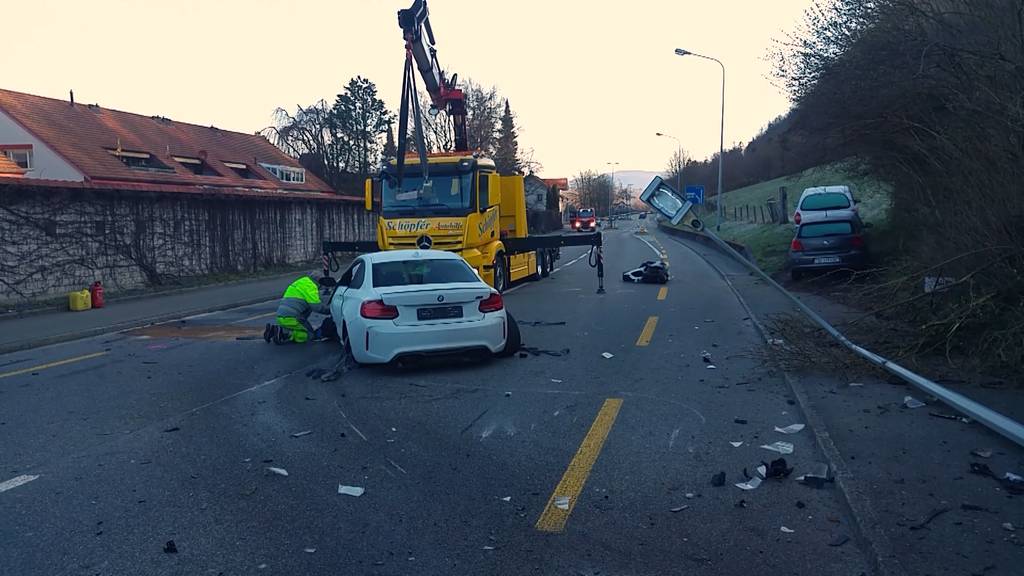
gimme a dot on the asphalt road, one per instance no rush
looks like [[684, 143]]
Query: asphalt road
[[568, 464]]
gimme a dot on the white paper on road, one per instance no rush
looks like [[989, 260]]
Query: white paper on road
[[787, 530], [607, 355], [791, 429], [911, 402], [736, 444], [278, 471], [780, 447], [507, 498], [350, 490], [562, 502], [711, 367]]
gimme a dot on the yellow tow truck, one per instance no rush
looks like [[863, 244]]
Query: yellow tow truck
[[454, 201]]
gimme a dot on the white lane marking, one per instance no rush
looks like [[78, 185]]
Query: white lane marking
[[15, 482], [566, 265], [649, 245]]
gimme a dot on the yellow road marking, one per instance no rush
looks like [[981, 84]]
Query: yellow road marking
[[663, 292], [553, 518], [647, 332], [53, 364], [256, 317]]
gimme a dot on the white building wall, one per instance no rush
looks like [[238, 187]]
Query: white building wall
[[46, 163]]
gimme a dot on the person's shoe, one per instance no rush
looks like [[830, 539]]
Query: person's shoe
[[280, 335], [268, 332]]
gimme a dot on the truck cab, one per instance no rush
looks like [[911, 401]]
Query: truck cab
[[585, 220]]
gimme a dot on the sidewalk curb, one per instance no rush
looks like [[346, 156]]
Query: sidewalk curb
[[869, 535], [128, 325]]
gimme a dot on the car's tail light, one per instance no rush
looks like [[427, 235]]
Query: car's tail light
[[796, 245], [378, 310], [857, 241], [797, 217], [492, 303]]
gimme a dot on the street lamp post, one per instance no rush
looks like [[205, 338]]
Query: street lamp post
[[721, 134], [611, 195], [679, 155]]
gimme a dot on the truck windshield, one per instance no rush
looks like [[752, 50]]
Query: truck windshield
[[586, 213], [442, 195]]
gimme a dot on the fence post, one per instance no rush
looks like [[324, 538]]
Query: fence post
[[763, 221], [783, 207]]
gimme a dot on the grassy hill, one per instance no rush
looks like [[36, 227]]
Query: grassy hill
[[769, 242]]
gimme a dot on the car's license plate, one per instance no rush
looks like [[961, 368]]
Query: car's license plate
[[439, 312], [827, 260]]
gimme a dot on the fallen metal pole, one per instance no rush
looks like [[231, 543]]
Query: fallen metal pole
[[993, 420]]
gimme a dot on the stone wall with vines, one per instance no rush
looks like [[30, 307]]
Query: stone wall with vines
[[55, 240]]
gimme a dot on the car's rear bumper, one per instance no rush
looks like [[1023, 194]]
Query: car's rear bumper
[[384, 341], [812, 261]]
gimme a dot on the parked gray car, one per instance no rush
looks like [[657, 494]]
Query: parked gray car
[[829, 245]]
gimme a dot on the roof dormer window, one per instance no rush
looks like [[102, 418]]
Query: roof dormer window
[[286, 173]]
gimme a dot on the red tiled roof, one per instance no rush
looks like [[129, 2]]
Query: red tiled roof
[[114, 186], [8, 168], [83, 134]]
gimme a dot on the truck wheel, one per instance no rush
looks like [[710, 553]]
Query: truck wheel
[[513, 340], [500, 273], [547, 263], [538, 257]]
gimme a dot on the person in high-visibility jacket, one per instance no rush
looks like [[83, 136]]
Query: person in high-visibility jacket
[[301, 299]]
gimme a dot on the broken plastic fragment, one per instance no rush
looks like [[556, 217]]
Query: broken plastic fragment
[[786, 530], [751, 484], [350, 490], [856, 384], [817, 477], [981, 452], [736, 444], [705, 356], [791, 429], [488, 548], [679, 508], [301, 434], [607, 355], [777, 469], [507, 499], [562, 502], [309, 550], [911, 402], [556, 380], [1009, 527], [718, 479], [776, 341], [711, 367], [170, 547], [278, 471], [739, 420], [780, 447]]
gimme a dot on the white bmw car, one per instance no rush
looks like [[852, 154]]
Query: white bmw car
[[407, 303]]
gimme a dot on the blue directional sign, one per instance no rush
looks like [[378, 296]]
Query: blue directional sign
[[695, 194]]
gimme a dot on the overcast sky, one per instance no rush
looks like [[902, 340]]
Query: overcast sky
[[591, 81]]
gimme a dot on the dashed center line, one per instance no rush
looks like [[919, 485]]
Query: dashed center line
[[16, 481], [52, 364], [663, 293], [568, 491], [648, 332]]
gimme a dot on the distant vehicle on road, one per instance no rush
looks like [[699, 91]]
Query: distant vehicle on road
[[827, 245], [825, 203], [407, 303], [585, 220]]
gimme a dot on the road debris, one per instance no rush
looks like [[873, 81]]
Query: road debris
[[301, 434], [278, 471], [507, 499], [556, 380], [931, 516], [817, 477], [607, 355], [679, 508], [739, 421], [711, 367], [982, 452], [786, 530], [539, 323], [791, 429], [736, 444], [488, 548], [961, 419], [800, 504], [780, 447], [508, 394], [718, 479], [838, 539], [855, 384], [1013, 483], [562, 502], [689, 495], [705, 356], [1009, 527], [776, 341], [911, 402], [778, 469], [751, 484], [740, 504], [172, 429], [309, 550], [350, 490], [534, 351], [170, 547]]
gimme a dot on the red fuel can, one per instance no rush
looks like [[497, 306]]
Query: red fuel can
[[96, 291]]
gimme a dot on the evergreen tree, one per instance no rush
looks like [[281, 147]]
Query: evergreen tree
[[506, 153]]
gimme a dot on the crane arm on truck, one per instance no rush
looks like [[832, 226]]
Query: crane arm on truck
[[444, 92]]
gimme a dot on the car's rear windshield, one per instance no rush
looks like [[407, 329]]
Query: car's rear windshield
[[825, 201], [427, 271], [818, 229], [588, 213]]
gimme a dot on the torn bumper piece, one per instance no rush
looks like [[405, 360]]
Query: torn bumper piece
[[650, 272]]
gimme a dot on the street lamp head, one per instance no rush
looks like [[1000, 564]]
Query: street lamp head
[[681, 52]]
